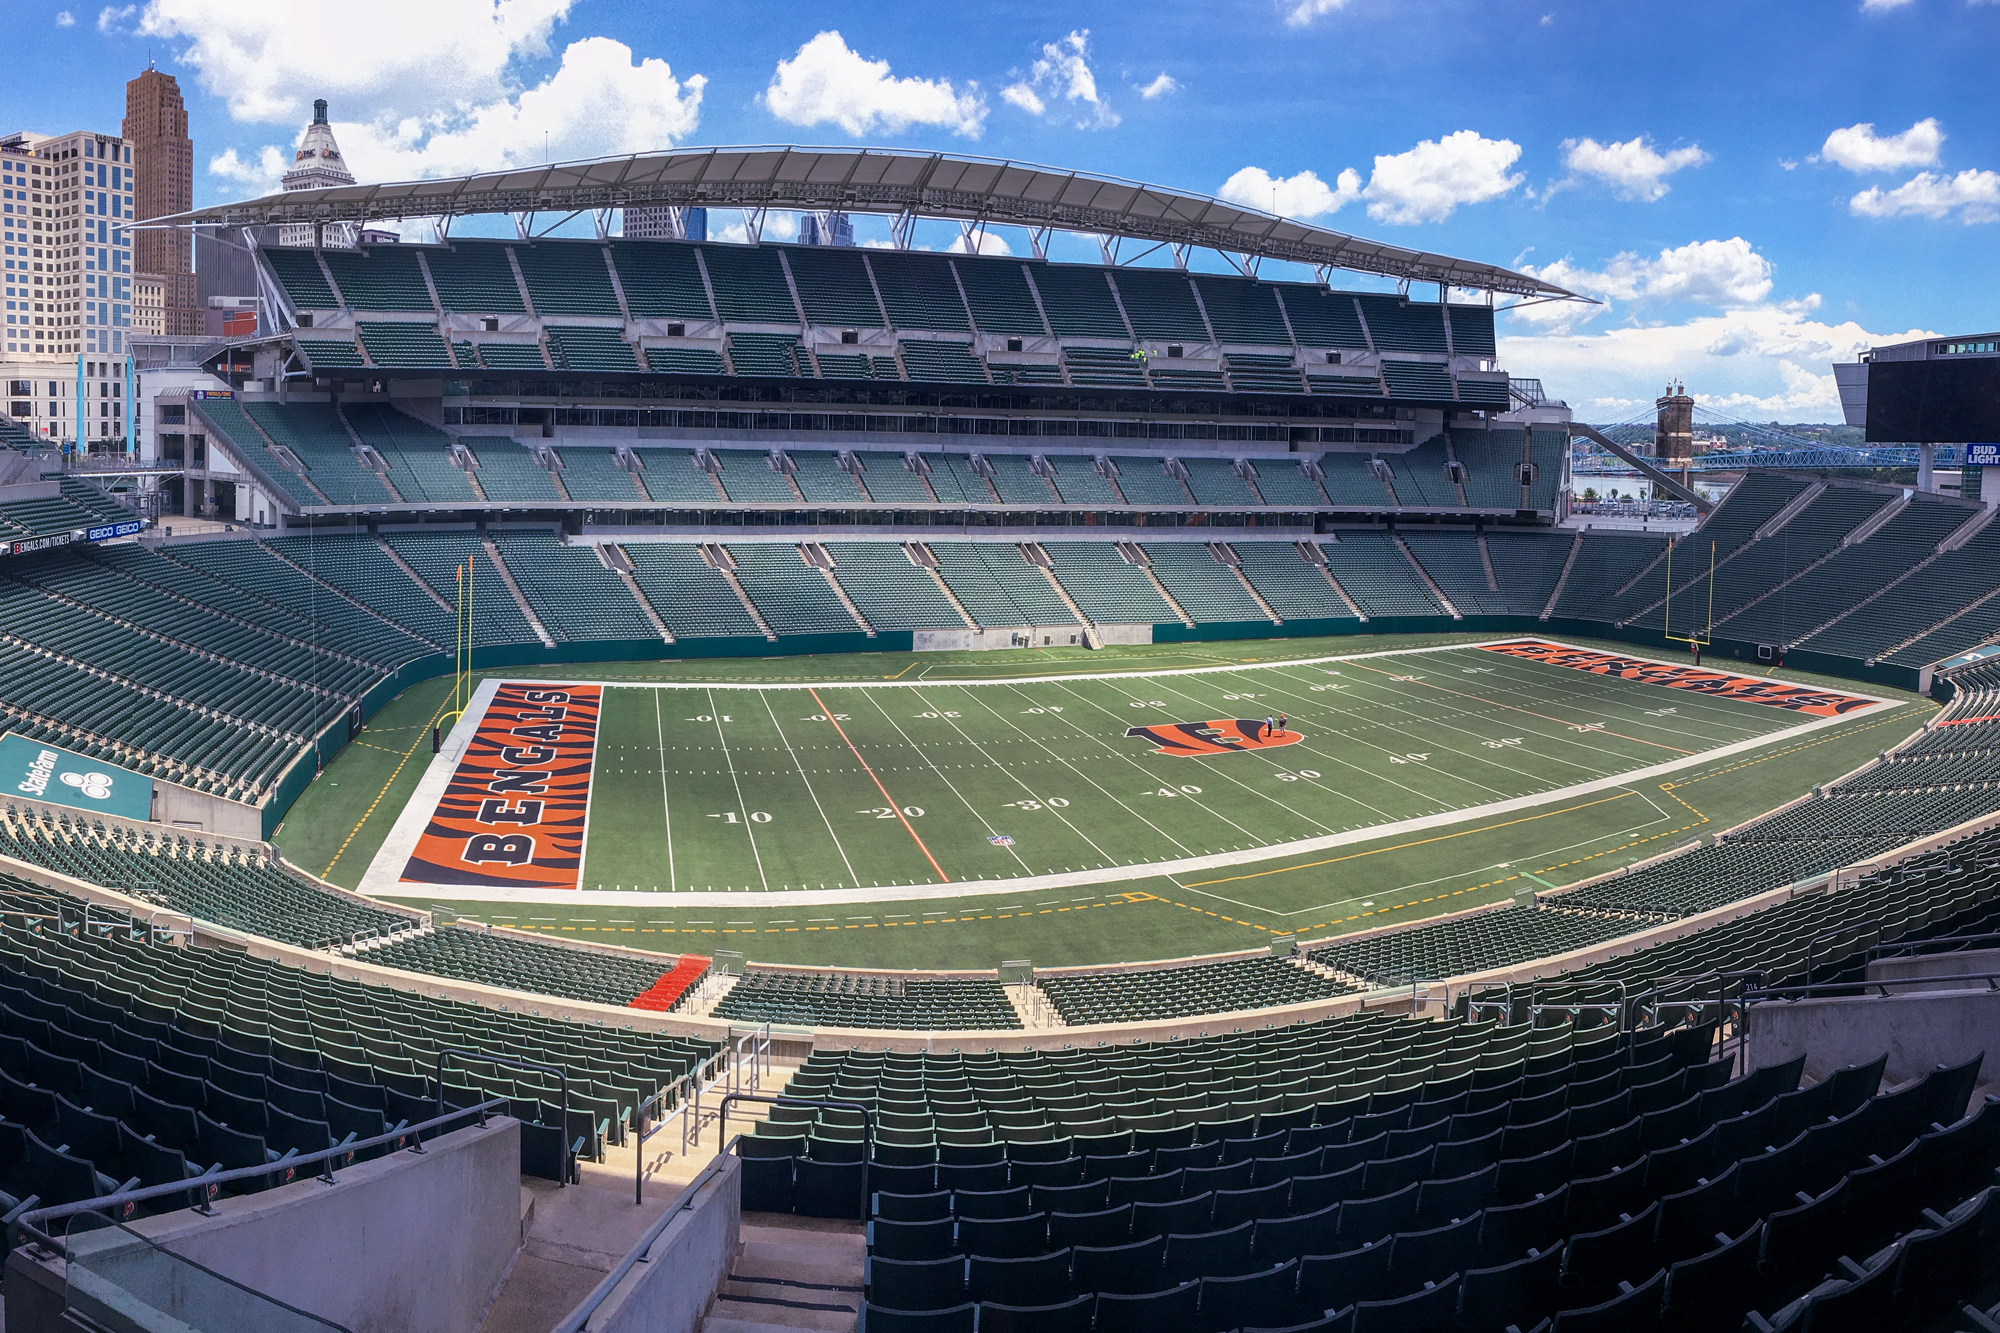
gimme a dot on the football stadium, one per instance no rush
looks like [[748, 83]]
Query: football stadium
[[883, 789]]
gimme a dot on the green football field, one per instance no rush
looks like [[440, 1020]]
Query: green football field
[[837, 787], [1514, 776]]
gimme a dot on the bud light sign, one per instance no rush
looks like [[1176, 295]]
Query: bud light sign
[[1982, 455]]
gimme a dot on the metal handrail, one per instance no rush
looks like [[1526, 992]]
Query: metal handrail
[[29, 1223], [513, 1062], [154, 931], [687, 1111], [867, 1120], [1882, 984], [580, 1316], [1901, 948]]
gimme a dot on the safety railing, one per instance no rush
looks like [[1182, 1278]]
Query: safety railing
[[159, 934], [579, 1319], [33, 1224], [867, 1120], [1920, 948], [683, 1095], [1573, 1008], [1881, 986], [512, 1062], [102, 919], [750, 1058]]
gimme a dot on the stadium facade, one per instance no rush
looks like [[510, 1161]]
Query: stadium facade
[[670, 447]]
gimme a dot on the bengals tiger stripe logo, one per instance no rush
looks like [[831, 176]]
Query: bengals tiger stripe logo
[[1227, 735], [513, 814]]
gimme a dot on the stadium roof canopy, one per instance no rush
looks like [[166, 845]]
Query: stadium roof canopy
[[972, 191]]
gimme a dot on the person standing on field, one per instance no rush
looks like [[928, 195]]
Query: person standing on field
[[1267, 728], [1281, 724]]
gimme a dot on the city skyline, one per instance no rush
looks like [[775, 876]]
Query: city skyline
[[1743, 220]]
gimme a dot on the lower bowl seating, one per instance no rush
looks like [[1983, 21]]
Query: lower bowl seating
[[1622, 1176], [171, 1062]]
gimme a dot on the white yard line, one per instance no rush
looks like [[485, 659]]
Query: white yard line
[[749, 829], [1017, 780], [1085, 777], [1393, 698], [1599, 691], [1441, 720], [970, 808], [1356, 769], [666, 806], [1223, 773], [1108, 874], [852, 878], [1190, 671]]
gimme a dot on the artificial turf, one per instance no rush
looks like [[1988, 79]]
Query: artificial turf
[[827, 823]]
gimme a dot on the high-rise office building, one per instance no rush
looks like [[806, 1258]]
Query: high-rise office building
[[826, 229], [65, 229], [156, 126], [663, 222], [316, 165]]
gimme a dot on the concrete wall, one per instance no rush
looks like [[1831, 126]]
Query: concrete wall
[[1918, 1030], [979, 640], [400, 1243], [1971, 963], [668, 1292], [183, 807]]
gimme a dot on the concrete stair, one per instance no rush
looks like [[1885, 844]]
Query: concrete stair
[[804, 1275]]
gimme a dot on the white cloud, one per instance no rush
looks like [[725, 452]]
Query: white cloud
[[1302, 12], [1548, 20], [826, 81], [1634, 169], [1022, 96], [1723, 273], [1063, 74], [1975, 195], [1759, 361], [1302, 196], [1160, 87], [109, 17], [1859, 148], [1430, 181], [598, 102], [777, 227], [258, 176], [989, 244], [270, 61], [65, 19], [1882, 6]]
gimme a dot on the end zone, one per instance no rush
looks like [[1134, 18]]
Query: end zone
[[506, 804]]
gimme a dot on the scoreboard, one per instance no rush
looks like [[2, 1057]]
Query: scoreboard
[[1937, 400]]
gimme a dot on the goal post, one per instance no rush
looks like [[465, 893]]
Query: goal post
[[1696, 640]]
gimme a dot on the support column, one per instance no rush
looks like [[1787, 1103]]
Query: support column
[[1926, 480]]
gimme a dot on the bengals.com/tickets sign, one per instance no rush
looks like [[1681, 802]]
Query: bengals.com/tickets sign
[[1721, 684], [513, 815]]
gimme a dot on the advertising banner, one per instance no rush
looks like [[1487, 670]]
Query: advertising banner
[[57, 776]]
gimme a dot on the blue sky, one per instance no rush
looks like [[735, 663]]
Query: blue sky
[[1752, 190]]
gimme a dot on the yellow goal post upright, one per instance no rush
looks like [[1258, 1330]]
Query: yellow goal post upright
[[461, 655], [1695, 641]]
